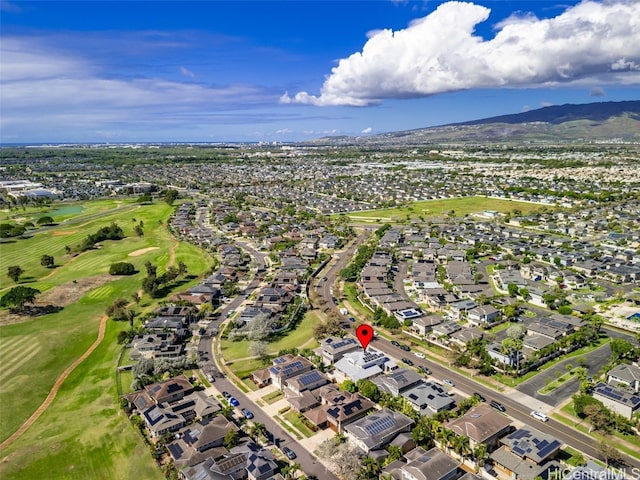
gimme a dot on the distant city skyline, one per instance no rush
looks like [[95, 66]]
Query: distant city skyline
[[250, 71]]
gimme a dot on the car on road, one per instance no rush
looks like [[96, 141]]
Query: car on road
[[424, 369], [479, 396], [406, 348], [395, 343], [247, 413], [408, 361], [291, 455], [497, 406], [226, 395], [449, 382], [539, 416], [233, 401], [351, 319], [419, 354]]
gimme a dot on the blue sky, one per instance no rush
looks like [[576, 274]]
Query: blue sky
[[117, 71]]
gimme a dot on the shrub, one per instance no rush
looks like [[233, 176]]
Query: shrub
[[122, 268]]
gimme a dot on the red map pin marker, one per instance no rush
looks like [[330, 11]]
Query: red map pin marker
[[364, 334]]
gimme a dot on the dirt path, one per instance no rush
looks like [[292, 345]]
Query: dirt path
[[56, 386], [172, 255]]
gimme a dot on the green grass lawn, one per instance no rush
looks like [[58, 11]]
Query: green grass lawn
[[294, 418], [584, 427], [436, 208], [301, 335], [82, 434], [273, 397]]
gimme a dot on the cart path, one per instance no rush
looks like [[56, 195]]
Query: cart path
[[56, 386]]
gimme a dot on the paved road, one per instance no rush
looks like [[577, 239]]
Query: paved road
[[307, 461], [514, 409]]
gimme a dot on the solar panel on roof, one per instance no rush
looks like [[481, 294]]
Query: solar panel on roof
[[519, 451], [380, 425], [175, 450], [548, 449]]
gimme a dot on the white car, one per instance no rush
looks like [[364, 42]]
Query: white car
[[539, 416], [418, 354]]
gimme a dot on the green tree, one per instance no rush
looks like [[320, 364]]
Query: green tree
[[14, 272], [231, 438], [170, 196], [46, 220], [512, 288], [47, 261], [138, 230], [348, 386], [122, 268], [620, 348], [18, 296]]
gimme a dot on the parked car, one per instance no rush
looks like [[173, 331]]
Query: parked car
[[233, 401], [539, 416], [408, 361], [479, 397], [395, 343], [406, 348], [291, 455], [247, 413], [424, 370], [449, 382], [497, 406], [226, 395], [419, 354]]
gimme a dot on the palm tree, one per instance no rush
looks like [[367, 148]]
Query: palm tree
[[461, 446], [370, 468], [289, 471], [480, 454], [257, 430], [227, 411]]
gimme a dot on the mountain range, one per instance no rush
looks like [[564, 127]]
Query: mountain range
[[602, 122]]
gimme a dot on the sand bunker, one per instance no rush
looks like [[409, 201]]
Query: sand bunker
[[60, 233], [142, 251]]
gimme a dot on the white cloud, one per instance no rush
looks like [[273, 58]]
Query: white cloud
[[440, 53], [45, 90], [186, 72], [597, 92], [367, 130]]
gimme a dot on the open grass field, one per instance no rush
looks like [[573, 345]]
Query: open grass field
[[301, 337], [439, 208], [82, 434]]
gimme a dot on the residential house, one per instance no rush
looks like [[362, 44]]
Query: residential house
[[155, 345], [428, 398], [288, 366], [620, 401], [306, 381], [483, 316], [197, 439], [423, 325], [333, 349], [397, 381], [482, 425], [374, 431], [625, 374], [360, 364], [526, 454], [429, 465], [344, 408]]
